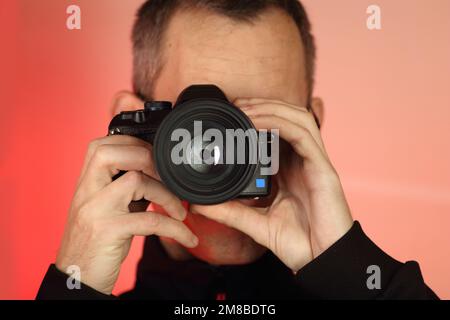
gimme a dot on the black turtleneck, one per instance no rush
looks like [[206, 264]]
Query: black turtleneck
[[341, 272]]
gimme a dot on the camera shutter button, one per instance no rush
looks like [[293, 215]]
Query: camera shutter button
[[139, 116], [158, 105]]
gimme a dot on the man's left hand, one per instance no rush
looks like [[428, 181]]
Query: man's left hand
[[309, 212]]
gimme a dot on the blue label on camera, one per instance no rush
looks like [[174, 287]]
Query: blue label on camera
[[260, 183]]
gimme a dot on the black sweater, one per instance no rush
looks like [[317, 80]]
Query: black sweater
[[341, 272]]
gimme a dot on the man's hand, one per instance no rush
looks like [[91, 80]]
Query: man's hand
[[309, 212], [100, 227]]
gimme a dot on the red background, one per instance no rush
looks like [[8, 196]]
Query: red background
[[388, 109]]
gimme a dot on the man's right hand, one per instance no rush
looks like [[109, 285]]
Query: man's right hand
[[100, 227]]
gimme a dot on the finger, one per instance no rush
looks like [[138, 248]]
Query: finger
[[303, 118], [134, 186], [108, 160], [250, 221], [243, 102], [298, 137], [150, 223], [115, 139]]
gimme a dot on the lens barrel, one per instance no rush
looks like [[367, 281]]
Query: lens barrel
[[204, 182]]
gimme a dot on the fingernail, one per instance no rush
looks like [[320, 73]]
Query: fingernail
[[193, 209], [183, 213], [194, 241]]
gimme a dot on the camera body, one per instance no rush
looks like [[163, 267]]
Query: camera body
[[201, 182]]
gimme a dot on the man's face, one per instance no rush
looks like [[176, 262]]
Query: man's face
[[262, 59]]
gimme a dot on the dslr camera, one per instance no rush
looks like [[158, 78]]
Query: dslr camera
[[219, 157]]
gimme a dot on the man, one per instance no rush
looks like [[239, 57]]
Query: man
[[301, 242]]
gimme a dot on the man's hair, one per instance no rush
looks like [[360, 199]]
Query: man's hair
[[154, 16]]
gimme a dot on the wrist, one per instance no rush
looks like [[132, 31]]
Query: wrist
[[86, 278]]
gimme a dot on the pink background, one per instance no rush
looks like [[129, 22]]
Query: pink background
[[387, 123]]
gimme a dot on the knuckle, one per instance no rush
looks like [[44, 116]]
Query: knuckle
[[145, 154], [101, 153], [133, 178], [299, 140], [94, 144], [297, 143], [84, 220], [153, 220]]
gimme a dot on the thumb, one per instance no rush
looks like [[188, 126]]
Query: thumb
[[248, 220]]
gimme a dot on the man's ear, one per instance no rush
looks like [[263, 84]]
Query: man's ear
[[126, 101], [318, 109]]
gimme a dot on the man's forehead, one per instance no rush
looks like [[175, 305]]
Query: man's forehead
[[263, 58]]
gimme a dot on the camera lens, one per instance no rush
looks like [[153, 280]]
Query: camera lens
[[203, 156], [205, 177]]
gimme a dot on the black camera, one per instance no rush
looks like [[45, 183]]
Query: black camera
[[203, 168]]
